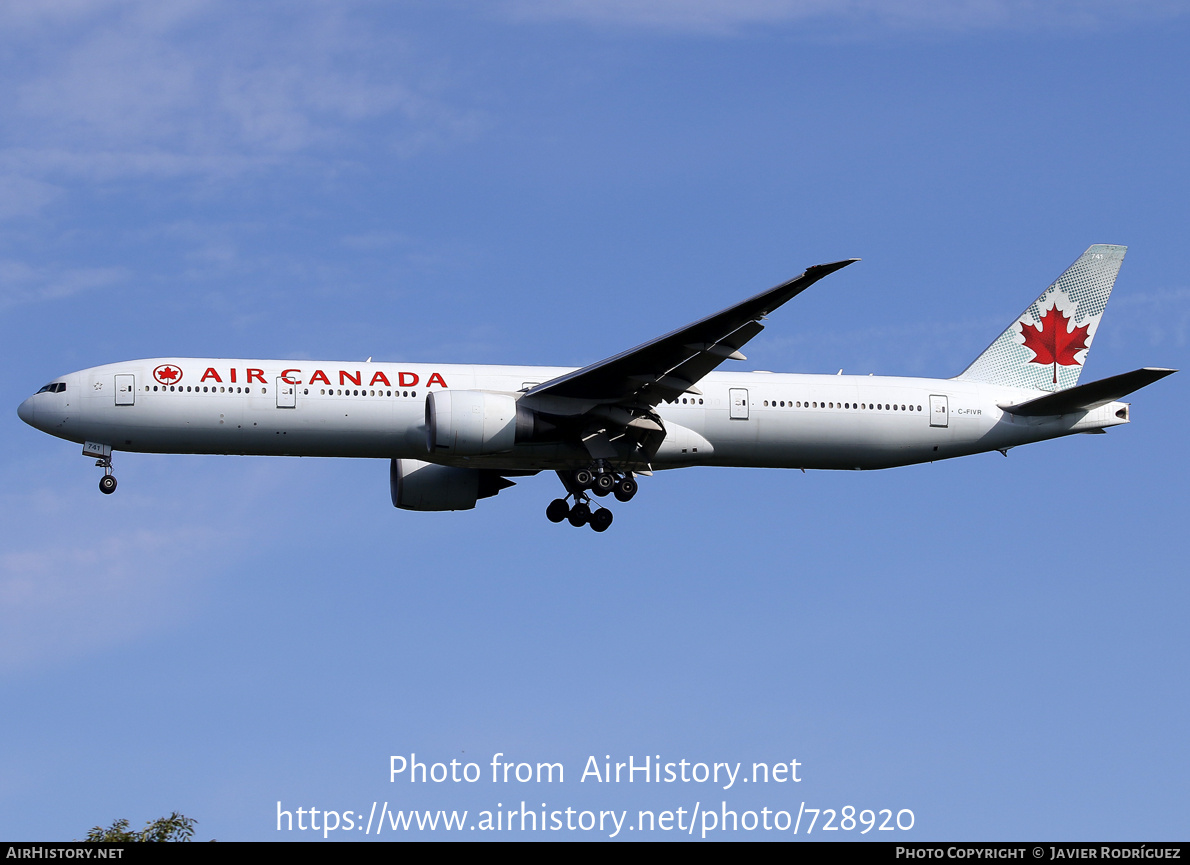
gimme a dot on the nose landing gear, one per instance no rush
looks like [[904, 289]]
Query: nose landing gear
[[107, 483]]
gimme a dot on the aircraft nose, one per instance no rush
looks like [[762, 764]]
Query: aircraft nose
[[25, 411]]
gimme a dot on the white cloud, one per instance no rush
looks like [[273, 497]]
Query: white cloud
[[729, 16], [206, 88], [23, 196], [73, 165], [1158, 319], [81, 573], [63, 598], [1134, 326], [372, 241], [23, 283], [924, 348], [49, 14]]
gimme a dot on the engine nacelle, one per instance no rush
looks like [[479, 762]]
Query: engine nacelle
[[421, 486], [473, 422]]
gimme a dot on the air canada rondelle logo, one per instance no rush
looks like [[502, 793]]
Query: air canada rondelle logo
[[168, 374], [1055, 340]]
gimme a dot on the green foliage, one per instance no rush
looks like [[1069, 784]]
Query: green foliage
[[175, 827]]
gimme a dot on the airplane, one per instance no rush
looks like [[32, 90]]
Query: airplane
[[455, 434]]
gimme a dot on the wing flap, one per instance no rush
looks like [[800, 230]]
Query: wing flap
[[719, 350], [697, 366]]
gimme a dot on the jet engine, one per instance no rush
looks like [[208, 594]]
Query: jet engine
[[473, 422], [421, 486]]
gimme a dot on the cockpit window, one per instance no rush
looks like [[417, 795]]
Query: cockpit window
[[54, 387]]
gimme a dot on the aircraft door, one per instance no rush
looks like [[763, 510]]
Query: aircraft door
[[286, 394], [738, 397], [939, 410], [125, 389]]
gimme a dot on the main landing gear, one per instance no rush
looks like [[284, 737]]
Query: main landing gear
[[598, 481]]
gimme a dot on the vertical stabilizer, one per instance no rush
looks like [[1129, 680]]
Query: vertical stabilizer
[[1047, 344]]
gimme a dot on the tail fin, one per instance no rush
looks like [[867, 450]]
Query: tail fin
[[1047, 344]]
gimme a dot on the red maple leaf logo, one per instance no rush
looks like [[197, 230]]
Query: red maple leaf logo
[[1056, 343], [166, 374]]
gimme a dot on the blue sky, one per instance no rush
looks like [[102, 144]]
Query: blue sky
[[997, 644]]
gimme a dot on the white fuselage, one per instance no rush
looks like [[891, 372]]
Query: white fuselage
[[344, 409]]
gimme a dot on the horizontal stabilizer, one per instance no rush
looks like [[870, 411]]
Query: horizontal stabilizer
[[1085, 397]]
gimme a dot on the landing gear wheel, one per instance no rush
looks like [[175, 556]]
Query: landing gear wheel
[[603, 484], [557, 510], [601, 519], [107, 484], [582, 478], [626, 489], [579, 514]]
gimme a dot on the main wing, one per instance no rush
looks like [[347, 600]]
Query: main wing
[[670, 365], [608, 408]]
